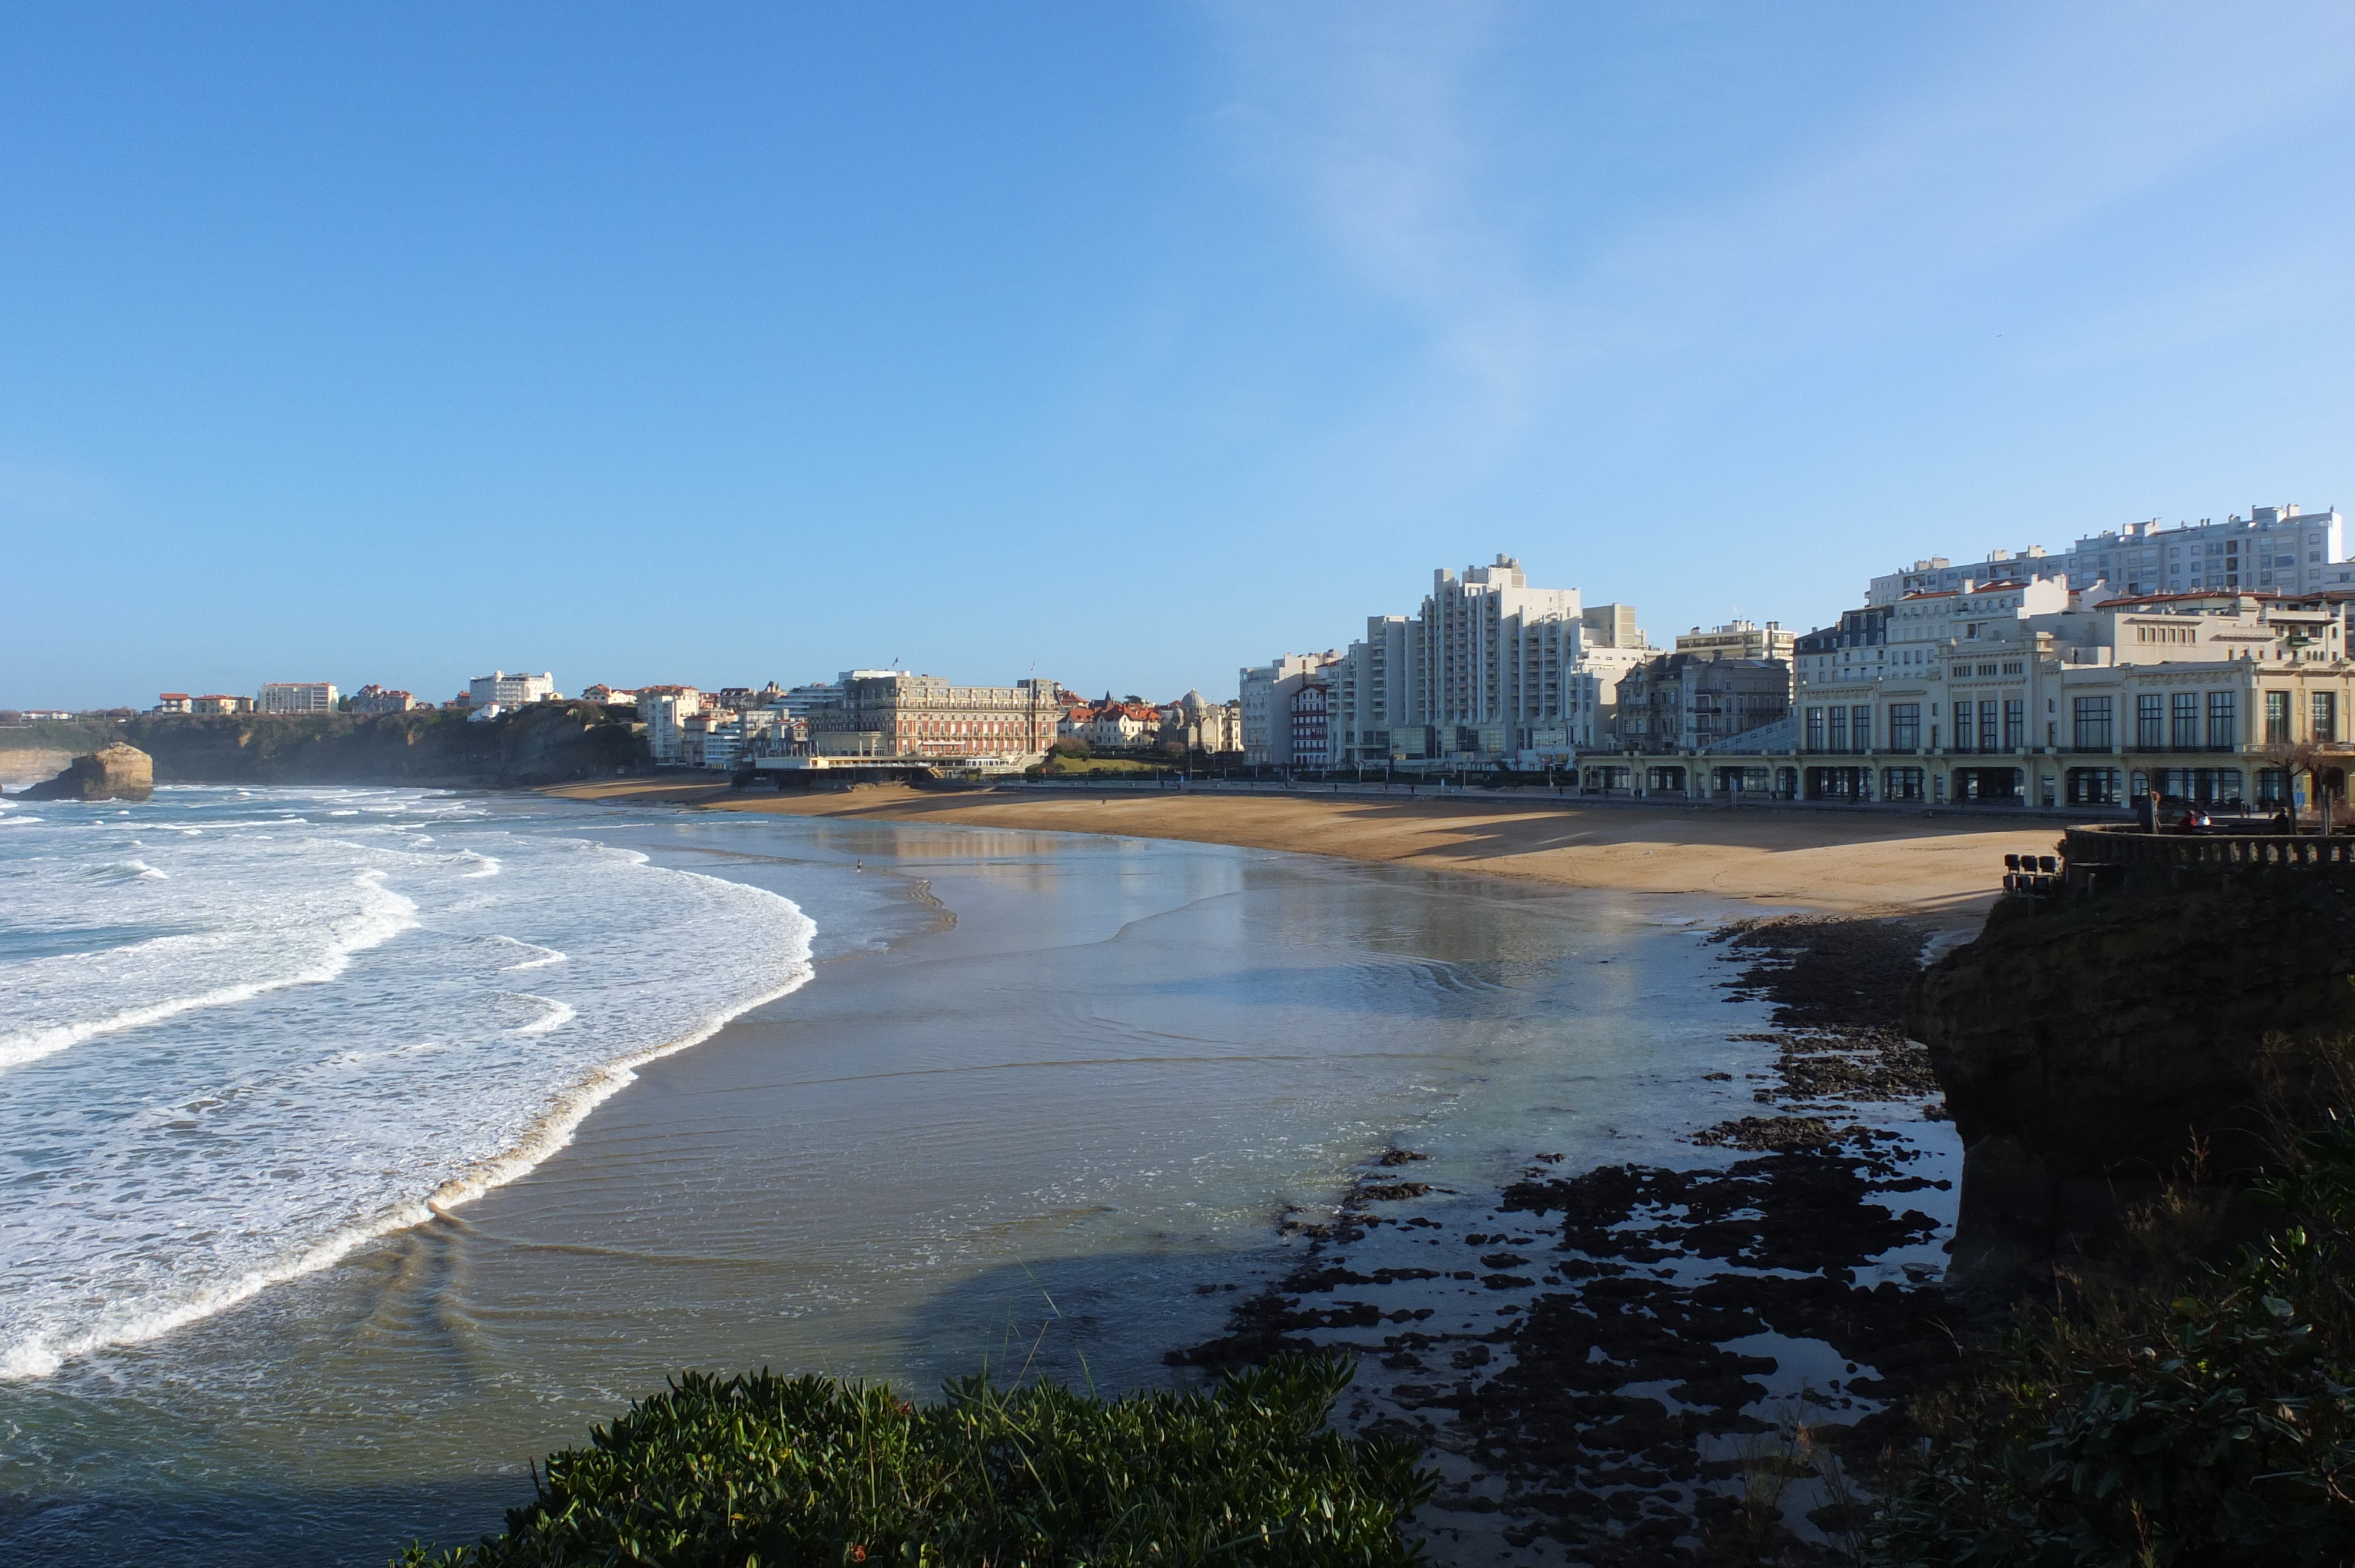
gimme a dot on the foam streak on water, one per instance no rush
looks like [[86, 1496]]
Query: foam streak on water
[[244, 1032]]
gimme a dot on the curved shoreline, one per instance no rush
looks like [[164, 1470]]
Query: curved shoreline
[[37, 1356], [1941, 871]]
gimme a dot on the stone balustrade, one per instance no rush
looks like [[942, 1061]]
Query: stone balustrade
[[2130, 847]]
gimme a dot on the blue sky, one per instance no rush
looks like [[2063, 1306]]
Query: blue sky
[[1125, 344]]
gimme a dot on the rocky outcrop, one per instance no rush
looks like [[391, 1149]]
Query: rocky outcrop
[[116, 772], [2095, 1049]]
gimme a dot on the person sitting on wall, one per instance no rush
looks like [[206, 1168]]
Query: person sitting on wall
[[2190, 822], [2283, 822]]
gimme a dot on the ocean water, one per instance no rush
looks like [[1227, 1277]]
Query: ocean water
[[244, 1032], [325, 1219]]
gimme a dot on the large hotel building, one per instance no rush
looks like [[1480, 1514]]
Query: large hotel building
[[888, 715]]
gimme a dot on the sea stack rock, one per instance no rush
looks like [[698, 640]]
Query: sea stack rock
[[116, 772]]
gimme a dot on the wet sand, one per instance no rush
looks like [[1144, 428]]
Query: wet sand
[[1942, 871]]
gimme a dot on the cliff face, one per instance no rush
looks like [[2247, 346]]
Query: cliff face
[[116, 772], [547, 743], [2089, 1049]]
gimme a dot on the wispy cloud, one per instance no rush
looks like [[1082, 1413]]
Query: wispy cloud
[[1362, 114], [1385, 123]]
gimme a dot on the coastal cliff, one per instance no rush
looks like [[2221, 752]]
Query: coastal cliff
[[116, 772], [546, 743], [2095, 1048]]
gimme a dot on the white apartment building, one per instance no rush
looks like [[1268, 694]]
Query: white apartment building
[[2274, 549], [1370, 705], [1510, 672], [1739, 640], [1267, 696], [510, 691], [1489, 671], [297, 697], [664, 710]]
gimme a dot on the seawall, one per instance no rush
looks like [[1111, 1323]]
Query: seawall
[[2097, 1047]]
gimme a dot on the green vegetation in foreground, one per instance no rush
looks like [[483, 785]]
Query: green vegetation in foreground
[[2131, 1430], [767, 1472]]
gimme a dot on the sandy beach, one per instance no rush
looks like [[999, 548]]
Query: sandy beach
[[1942, 871]]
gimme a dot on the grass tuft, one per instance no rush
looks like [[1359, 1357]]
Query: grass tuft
[[771, 1472]]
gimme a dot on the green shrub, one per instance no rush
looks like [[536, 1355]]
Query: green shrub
[[2139, 1432], [771, 1472]]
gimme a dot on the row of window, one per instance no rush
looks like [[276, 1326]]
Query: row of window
[[2161, 719], [2082, 786], [2203, 786], [2182, 721]]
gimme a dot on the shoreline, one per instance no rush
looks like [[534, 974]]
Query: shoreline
[[1118, 1310], [1938, 872], [1639, 1344]]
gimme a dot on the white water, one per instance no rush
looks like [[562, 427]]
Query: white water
[[244, 1032]]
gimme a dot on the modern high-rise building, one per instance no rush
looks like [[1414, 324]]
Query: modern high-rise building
[[1371, 697], [1489, 669], [1508, 670]]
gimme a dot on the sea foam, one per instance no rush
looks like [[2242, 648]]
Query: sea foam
[[283, 1045]]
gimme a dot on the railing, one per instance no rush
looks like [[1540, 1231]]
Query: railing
[[2204, 851]]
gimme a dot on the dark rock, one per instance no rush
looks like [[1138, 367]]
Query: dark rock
[[1761, 1134]]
